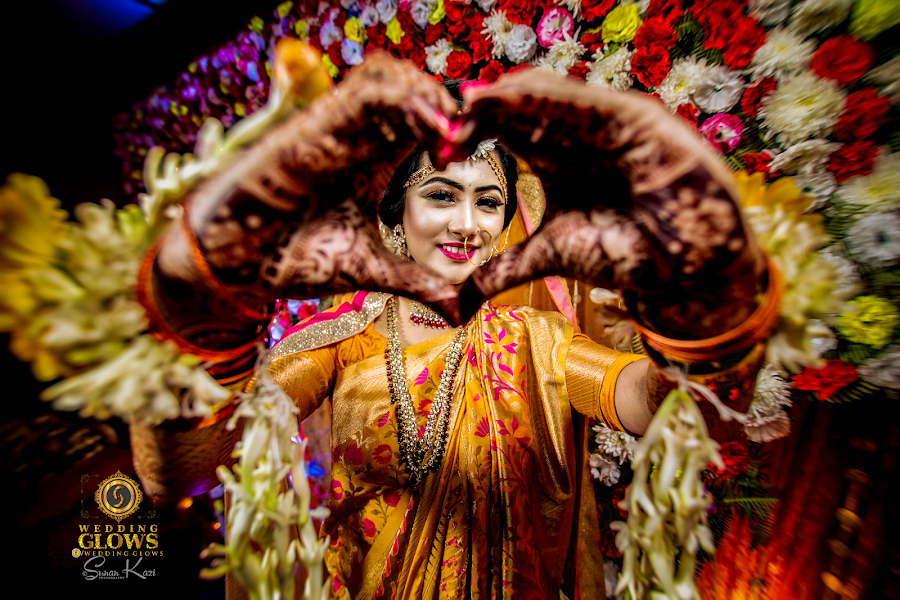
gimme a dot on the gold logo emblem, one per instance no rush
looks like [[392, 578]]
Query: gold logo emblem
[[76, 552], [118, 496]]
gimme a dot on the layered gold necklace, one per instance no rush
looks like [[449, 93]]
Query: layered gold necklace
[[425, 453]]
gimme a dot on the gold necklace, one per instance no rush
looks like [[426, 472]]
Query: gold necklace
[[422, 315], [425, 453]]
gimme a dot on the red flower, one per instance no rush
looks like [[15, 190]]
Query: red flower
[[746, 38], [655, 30], [579, 70], [369, 528], [481, 47], [688, 112], [521, 67], [433, 33], [455, 10], [491, 71], [337, 490], [864, 112], [307, 309], [836, 374], [852, 160], [718, 20], [843, 59], [670, 10], [593, 40], [735, 458], [377, 37], [353, 455], [759, 163], [458, 65], [754, 95], [392, 497], [650, 64], [518, 11], [382, 454], [595, 9]]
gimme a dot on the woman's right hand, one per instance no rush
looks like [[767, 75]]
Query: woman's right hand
[[293, 215]]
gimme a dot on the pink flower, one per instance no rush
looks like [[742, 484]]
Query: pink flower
[[337, 490], [369, 528], [383, 454], [723, 131], [554, 26], [353, 455]]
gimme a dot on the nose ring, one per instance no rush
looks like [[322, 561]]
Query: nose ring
[[466, 247]]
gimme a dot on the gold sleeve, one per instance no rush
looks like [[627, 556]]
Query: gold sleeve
[[306, 377], [591, 374]]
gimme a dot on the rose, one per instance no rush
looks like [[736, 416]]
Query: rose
[[458, 65], [655, 30], [650, 64], [746, 38], [852, 160], [621, 24], [864, 112], [843, 58], [827, 381], [594, 9], [754, 95]]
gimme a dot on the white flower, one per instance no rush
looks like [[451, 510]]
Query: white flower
[[682, 81], [847, 279], [770, 12], [878, 191], [642, 5], [875, 240], [330, 33], [821, 336], [888, 77], [574, 6], [819, 186], [497, 27], [611, 72], [616, 445], [520, 44], [352, 52], [606, 471], [805, 157], [784, 54], [562, 55], [387, 10], [368, 16], [803, 106], [814, 15], [883, 371], [436, 55], [768, 420], [348, 4], [421, 10], [486, 5], [720, 91]]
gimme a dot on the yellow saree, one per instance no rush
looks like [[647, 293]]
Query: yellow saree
[[510, 513]]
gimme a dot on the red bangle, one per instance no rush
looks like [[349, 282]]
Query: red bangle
[[740, 339], [161, 329], [199, 261]]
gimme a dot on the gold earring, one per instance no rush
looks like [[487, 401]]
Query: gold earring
[[395, 240], [465, 247]]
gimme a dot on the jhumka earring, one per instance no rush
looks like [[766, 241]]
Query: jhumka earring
[[395, 239]]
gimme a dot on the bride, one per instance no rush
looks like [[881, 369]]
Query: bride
[[458, 441]]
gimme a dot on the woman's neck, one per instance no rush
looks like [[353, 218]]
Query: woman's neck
[[410, 333]]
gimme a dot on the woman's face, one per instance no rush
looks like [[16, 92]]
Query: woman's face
[[452, 210]]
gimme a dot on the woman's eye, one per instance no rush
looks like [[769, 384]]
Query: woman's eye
[[490, 202], [440, 196]]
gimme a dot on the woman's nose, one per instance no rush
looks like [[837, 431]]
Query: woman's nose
[[463, 221]]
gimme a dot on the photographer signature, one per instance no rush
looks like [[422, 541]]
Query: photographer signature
[[98, 573]]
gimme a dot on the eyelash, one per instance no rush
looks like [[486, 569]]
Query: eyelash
[[442, 196]]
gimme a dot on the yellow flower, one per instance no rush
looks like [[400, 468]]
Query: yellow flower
[[301, 28], [31, 223], [330, 67], [871, 17], [284, 9], [621, 24], [354, 31], [782, 193], [872, 323], [435, 17], [394, 31]]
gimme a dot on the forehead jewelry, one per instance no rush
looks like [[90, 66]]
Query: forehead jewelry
[[484, 150]]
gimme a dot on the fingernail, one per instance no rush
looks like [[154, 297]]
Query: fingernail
[[471, 85], [442, 121]]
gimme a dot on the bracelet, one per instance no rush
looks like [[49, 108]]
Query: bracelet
[[739, 340], [161, 329], [199, 261]]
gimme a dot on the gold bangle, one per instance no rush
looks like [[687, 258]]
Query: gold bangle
[[742, 338]]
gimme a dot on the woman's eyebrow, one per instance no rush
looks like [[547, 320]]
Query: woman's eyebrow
[[449, 182], [485, 188]]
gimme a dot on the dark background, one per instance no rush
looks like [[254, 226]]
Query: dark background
[[68, 66]]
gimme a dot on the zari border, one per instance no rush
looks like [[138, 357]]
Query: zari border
[[316, 335]]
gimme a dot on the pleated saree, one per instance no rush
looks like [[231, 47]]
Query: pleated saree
[[510, 513]]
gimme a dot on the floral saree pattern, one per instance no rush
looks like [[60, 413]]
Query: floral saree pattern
[[503, 513]]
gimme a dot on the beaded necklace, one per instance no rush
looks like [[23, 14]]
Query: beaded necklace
[[425, 453]]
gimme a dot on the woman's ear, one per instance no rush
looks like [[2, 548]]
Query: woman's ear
[[385, 233]]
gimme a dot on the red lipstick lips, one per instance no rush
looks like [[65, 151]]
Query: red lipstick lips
[[458, 257]]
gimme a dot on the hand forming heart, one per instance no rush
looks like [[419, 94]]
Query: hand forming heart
[[636, 202]]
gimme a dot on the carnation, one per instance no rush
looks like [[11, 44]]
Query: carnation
[[827, 381], [612, 72], [847, 280], [682, 81], [563, 55], [520, 44], [387, 10], [650, 64], [420, 10], [864, 112], [555, 26], [784, 54], [806, 157], [883, 371], [497, 27], [486, 5], [819, 186], [351, 52], [802, 107], [853, 160], [872, 322], [723, 131], [330, 33], [436, 56], [605, 471], [875, 240], [843, 59], [720, 92], [815, 15], [770, 12], [879, 191]]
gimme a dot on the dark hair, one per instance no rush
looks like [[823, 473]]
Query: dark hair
[[393, 200]]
